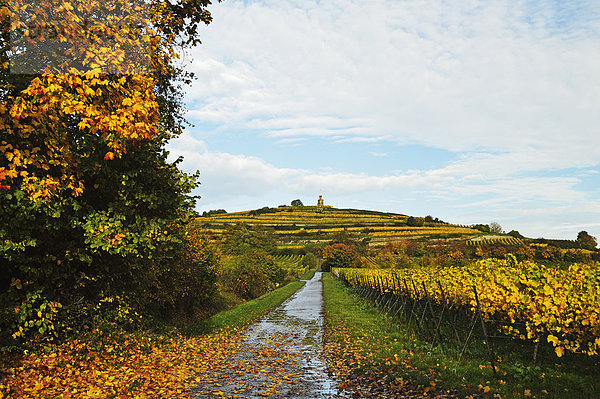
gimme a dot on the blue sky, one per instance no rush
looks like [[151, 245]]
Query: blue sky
[[470, 111]]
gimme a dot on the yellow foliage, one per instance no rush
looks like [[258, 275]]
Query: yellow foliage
[[558, 306]]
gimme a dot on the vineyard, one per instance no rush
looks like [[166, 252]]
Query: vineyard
[[491, 240], [527, 301], [296, 227], [292, 264]]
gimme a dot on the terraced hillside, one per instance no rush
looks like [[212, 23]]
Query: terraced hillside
[[299, 226]]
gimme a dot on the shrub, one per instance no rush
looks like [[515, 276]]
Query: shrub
[[310, 260], [34, 319], [252, 274], [515, 233], [243, 238], [269, 267], [339, 255], [415, 222], [214, 212], [481, 227]]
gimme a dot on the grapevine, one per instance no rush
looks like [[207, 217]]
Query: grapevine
[[536, 302]]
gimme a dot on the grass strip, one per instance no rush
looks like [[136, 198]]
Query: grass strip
[[308, 275], [372, 353], [248, 312]]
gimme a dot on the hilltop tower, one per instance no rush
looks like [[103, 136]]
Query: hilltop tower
[[321, 202]]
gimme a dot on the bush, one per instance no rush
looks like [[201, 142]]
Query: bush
[[415, 222], [213, 212], [269, 267], [310, 260], [339, 255], [190, 281], [242, 238], [34, 319], [252, 274], [484, 228], [515, 233], [119, 238]]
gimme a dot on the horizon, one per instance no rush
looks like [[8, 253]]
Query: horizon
[[457, 223], [472, 112]]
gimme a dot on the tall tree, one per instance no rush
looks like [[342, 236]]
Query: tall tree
[[586, 241], [89, 95], [496, 228]]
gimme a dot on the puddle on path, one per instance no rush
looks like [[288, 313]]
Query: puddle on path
[[280, 354]]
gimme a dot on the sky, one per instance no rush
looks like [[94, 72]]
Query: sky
[[469, 111]]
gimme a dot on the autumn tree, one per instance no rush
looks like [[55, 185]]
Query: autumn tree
[[586, 241], [415, 221], [243, 238], [515, 233], [92, 210], [213, 212], [482, 227], [309, 261], [245, 275], [496, 228], [339, 255]]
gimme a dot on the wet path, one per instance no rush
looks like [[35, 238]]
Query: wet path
[[280, 355]]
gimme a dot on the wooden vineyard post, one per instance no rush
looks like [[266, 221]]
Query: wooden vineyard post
[[406, 298], [368, 288], [473, 322], [389, 295], [454, 328], [439, 323], [398, 294], [487, 339], [428, 302], [374, 288], [408, 294], [422, 322], [381, 295], [412, 310]]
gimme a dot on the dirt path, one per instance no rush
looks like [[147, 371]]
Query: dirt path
[[280, 355]]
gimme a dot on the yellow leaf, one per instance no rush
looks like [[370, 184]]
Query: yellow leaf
[[552, 339]]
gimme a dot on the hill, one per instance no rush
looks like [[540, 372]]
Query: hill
[[298, 226]]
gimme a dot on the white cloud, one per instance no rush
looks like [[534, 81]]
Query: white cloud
[[228, 174], [223, 174], [511, 87], [460, 76]]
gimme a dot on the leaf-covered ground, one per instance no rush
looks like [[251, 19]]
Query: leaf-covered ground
[[372, 374], [116, 366], [280, 356], [142, 365]]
